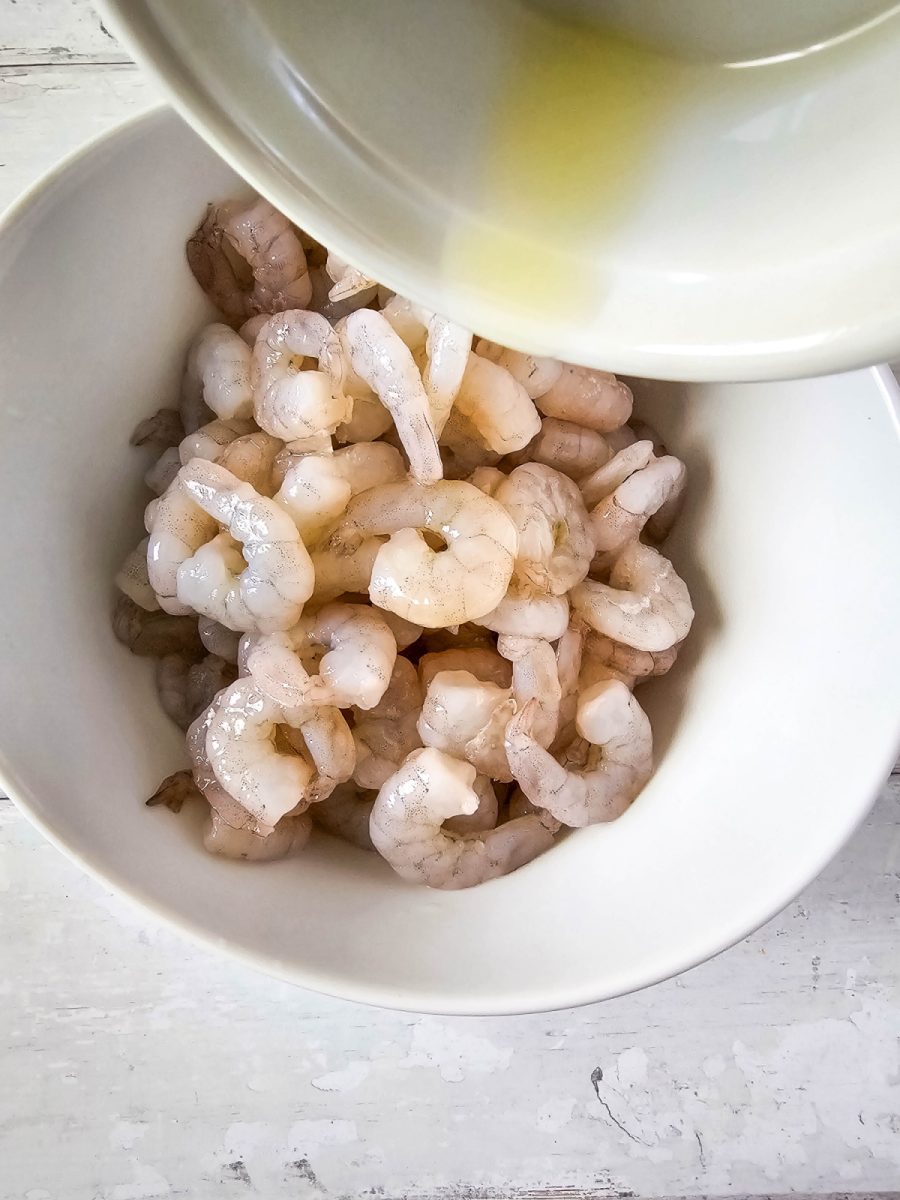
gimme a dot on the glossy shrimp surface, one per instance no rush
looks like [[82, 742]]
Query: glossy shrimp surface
[[398, 584]]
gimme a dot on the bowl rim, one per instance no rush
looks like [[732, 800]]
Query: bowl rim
[[847, 346], [410, 999]]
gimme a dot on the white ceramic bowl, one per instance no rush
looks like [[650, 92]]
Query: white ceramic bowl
[[567, 194], [772, 733]]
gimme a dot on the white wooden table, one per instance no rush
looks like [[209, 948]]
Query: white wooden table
[[134, 1066]]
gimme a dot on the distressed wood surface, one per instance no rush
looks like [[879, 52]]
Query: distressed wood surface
[[135, 1066]]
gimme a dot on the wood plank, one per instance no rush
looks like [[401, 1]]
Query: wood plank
[[47, 32]]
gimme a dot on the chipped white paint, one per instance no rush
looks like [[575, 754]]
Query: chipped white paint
[[134, 1066]]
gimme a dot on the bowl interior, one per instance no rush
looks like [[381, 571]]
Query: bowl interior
[[772, 731]]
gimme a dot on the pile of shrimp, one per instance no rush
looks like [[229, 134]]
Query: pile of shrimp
[[399, 582]]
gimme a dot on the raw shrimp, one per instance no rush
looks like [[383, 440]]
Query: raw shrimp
[[369, 419], [481, 661], [385, 734], [252, 459], [487, 480], [154, 634], [218, 639], [572, 449], [264, 239], [346, 814], [355, 670], [133, 580], [604, 481], [645, 605], [218, 373], [521, 806], [619, 761], [293, 451], [288, 837], [463, 449], [186, 689], [634, 664], [536, 374], [270, 592], [249, 331], [497, 405], [555, 536], [485, 815], [407, 819], [379, 357], [526, 612], [291, 403], [178, 527], [211, 439], [457, 637], [337, 573], [328, 741], [318, 487], [621, 516], [347, 281], [405, 632], [569, 655], [467, 717], [163, 429], [445, 346], [594, 399], [460, 583], [242, 753], [535, 676], [160, 475]]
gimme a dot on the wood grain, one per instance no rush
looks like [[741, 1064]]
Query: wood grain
[[133, 1065]]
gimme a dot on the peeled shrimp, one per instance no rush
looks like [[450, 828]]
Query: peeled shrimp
[[252, 459], [154, 634], [178, 527], [290, 403], [634, 664], [645, 605], [618, 763], [133, 579], [293, 451], [267, 243], [536, 374], [594, 399], [346, 814], [288, 837], [405, 632], [338, 573], [622, 515], [555, 535], [242, 752], [526, 612], [535, 676], [460, 583], [481, 661], [467, 717], [218, 372], [317, 488], [485, 815], [445, 346], [368, 420], [407, 818], [270, 592], [218, 639], [158, 477], [379, 357], [569, 448], [186, 689], [569, 655], [463, 449], [487, 480], [355, 670], [385, 734], [497, 405], [605, 479], [209, 441]]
